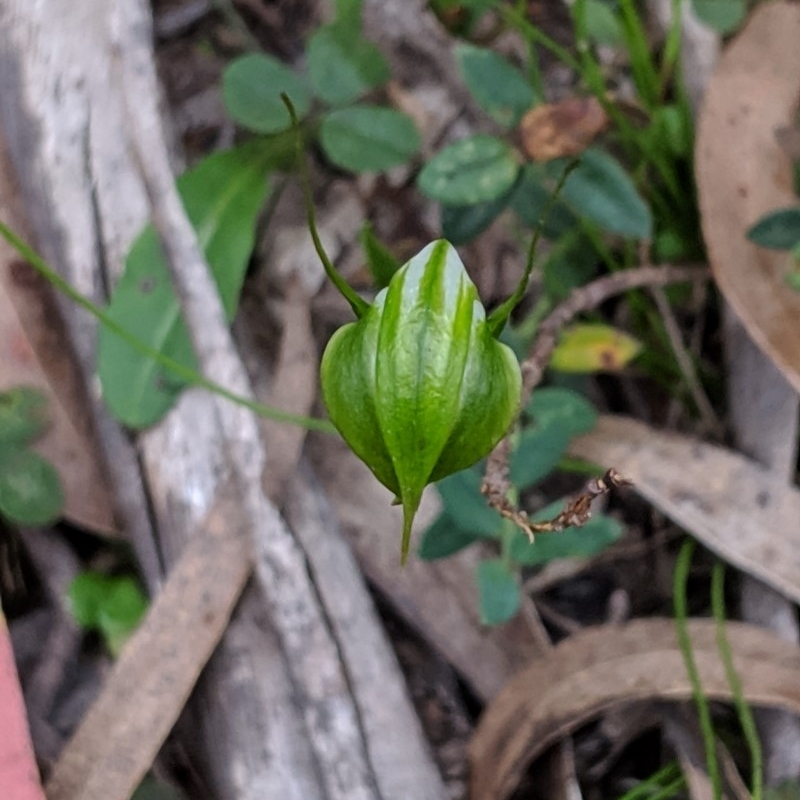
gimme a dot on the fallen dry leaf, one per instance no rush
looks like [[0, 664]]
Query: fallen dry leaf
[[32, 353], [601, 668], [566, 128], [733, 505], [743, 172]]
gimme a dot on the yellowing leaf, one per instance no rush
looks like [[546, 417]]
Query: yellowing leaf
[[594, 348]]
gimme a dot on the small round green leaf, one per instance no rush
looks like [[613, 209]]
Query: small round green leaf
[[562, 408], [498, 88], [477, 169], [86, 595], [368, 138], [602, 25], [778, 230], [537, 453], [498, 592], [251, 89], [530, 199], [466, 506], [23, 416], [342, 67], [121, 613], [461, 224], [113, 605], [603, 192], [724, 16], [30, 490], [444, 537], [571, 262]]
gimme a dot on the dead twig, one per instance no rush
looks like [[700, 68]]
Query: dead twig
[[576, 513], [496, 482]]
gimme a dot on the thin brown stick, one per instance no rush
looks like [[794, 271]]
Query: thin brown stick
[[496, 481]]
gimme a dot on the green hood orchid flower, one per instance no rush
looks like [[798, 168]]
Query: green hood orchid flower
[[418, 386]]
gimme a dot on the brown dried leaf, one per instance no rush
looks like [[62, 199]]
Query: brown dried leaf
[[565, 128], [601, 668], [733, 505], [33, 353], [743, 173]]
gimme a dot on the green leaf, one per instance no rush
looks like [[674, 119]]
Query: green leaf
[[23, 416], [671, 131], [465, 505], [380, 261], [461, 224], [559, 415], [778, 230], [600, 190], [152, 789], [368, 138], [30, 489], [530, 200], [223, 195], [477, 169], [570, 263], [342, 67], [86, 595], [602, 25], [592, 538], [112, 605], [443, 538], [498, 592], [724, 16], [121, 612], [498, 88], [562, 408], [593, 348], [348, 17], [251, 90], [537, 453]]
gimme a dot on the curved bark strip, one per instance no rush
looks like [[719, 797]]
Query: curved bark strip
[[79, 106], [604, 667]]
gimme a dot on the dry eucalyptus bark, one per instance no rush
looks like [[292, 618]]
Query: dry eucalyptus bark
[[80, 110]]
